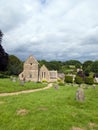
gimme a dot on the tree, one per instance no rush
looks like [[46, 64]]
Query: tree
[[76, 63], [89, 80], [78, 80], [69, 79], [87, 67], [1, 35], [15, 66], [3, 55], [95, 67], [52, 65]]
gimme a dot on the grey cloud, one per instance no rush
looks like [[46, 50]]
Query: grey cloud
[[49, 29]]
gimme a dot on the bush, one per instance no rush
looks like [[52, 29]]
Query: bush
[[61, 84], [3, 75], [89, 80], [78, 80], [69, 79], [44, 81]]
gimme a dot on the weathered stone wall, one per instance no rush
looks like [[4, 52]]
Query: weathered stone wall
[[53, 76], [31, 72], [44, 74]]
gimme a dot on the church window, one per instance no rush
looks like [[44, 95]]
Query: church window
[[30, 75], [43, 74]]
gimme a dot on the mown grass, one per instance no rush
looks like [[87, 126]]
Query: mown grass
[[6, 85], [50, 110]]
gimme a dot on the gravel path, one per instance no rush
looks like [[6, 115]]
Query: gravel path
[[26, 91]]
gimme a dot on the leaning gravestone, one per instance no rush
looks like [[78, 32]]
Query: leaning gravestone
[[80, 94]]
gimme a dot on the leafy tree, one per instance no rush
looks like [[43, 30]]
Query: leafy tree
[[52, 65], [87, 67], [95, 67], [76, 63], [78, 80], [69, 79], [3, 55], [80, 74], [14, 65], [89, 80]]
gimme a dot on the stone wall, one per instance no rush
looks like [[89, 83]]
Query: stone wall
[[32, 72]]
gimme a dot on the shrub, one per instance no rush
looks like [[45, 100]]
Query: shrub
[[69, 79], [78, 80], [44, 81], [3, 75], [60, 82], [89, 80]]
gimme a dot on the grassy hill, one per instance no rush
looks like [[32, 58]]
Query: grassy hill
[[50, 110]]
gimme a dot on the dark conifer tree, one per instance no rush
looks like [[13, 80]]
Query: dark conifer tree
[[3, 55]]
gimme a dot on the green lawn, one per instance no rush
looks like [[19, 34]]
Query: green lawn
[[6, 85], [50, 110]]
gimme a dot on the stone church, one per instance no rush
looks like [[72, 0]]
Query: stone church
[[32, 72]]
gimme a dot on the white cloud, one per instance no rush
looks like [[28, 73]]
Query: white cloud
[[50, 29]]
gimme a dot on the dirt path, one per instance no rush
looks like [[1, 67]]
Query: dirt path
[[26, 91]]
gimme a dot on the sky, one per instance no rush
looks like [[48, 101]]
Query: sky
[[50, 29]]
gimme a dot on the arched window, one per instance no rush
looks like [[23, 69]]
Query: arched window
[[43, 74]]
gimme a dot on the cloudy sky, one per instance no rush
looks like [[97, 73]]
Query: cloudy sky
[[50, 29]]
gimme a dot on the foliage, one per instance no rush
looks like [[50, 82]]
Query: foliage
[[81, 74], [69, 79], [87, 67], [51, 65], [60, 82], [50, 110], [3, 55], [78, 80], [14, 66], [61, 66], [75, 63], [89, 80], [95, 67], [3, 75], [44, 81], [86, 64], [1, 35]]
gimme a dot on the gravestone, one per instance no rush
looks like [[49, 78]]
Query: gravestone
[[80, 94], [22, 82], [56, 86], [14, 79], [11, 78], [94, 86]]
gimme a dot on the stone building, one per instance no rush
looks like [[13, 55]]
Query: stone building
[[32, 72]]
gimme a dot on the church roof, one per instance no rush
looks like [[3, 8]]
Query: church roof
[[31, 60], [44, 67]]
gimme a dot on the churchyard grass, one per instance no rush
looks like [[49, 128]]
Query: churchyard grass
[[7, 85], [50, 110]]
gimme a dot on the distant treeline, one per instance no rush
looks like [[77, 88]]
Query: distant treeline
[[12, 65]]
